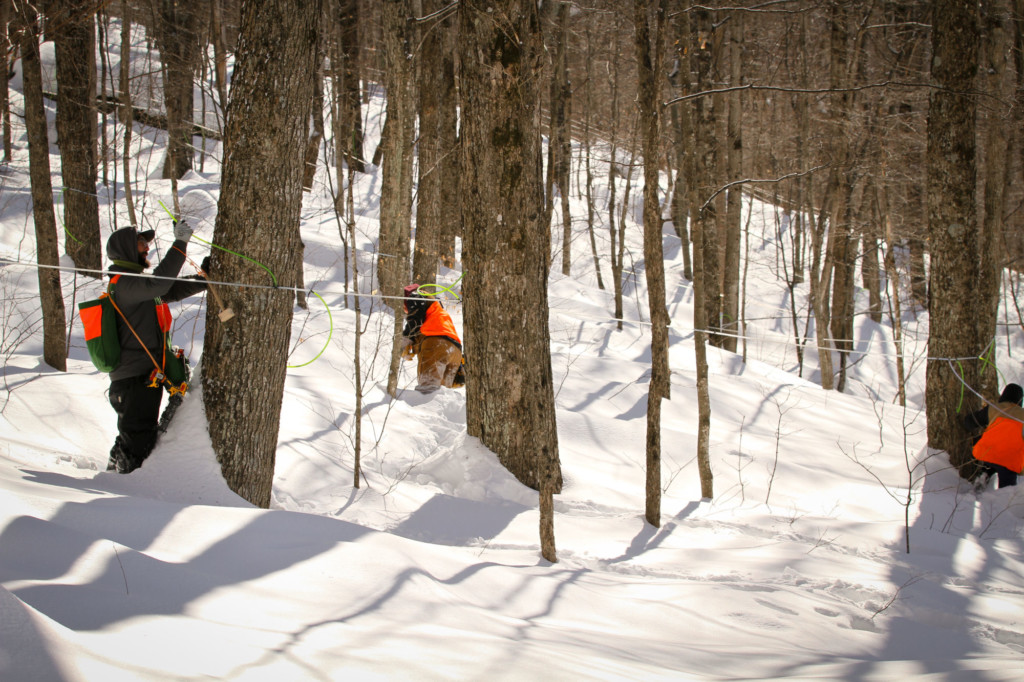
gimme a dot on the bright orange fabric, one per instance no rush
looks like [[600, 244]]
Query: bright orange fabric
[[163, 316], [92, 321], [92, 317], [1003, 440], [439, 323]]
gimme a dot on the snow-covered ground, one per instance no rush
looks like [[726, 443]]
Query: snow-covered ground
[[431, 569]]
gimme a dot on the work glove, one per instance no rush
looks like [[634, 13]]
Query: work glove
[[205, 266], [408, 348], [182, 232]]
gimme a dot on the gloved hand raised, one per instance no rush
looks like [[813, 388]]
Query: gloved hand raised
[[182, 232], [205, 266]]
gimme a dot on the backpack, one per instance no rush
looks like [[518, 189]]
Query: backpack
[[99, 318], [100, 322]]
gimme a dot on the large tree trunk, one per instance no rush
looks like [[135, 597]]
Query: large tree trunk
[[918, 272], [510, 402], [51, 299], [843, 253], [220, 54], [448, 125], [126, 116], [316, 133], [616, 252], [396, 170], [75, 43], [706, 179], [1014, 238], [179, 52], [839, 249], [893, 277], [258, 214], [649, 100], [5, 101], [952, 226], [348, 117], [734, 200], [870, 274], [682, 128], [559, 149], [996, 134], [437, 160], [700, 312], [587, 143], [820, 275]]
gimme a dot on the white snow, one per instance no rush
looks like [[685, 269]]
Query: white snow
[[431, 569]]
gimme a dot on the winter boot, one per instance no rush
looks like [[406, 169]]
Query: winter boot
[[120, 461]]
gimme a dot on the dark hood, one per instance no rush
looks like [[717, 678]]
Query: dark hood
[[122, 245], [1012, 393]]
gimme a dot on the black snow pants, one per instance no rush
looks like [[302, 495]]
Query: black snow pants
[[138, 414]]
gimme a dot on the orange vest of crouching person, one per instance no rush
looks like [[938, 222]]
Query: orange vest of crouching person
[[1003, 442]]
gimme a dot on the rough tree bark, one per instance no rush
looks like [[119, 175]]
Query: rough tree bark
[[700, 321], [258, 215], [559, 149], [393, 265], [437, 158], [616, 250], [510, 402], [72, 27], [52, 302], [840, 251], [995, 134], [588, 156], [316, 132], [348, 117], [5, 102], [220, 54], [706, 177], [953, 342], [125, 110], [682, 129], [734, 197], [179, 53], [649, 101]]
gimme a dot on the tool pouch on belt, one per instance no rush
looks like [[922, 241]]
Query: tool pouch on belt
[[176, 366]]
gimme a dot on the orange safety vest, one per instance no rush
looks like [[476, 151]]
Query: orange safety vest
[[1003, 440], [439, 323]]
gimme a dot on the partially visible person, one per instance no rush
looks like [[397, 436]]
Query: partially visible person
[[143, 336], [1000, 448], [430, 335]]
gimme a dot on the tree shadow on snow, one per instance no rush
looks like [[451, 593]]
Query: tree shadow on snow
[[128, 582], [447, 520]]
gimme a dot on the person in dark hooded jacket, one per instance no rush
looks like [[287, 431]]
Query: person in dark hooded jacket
[[132, 394]]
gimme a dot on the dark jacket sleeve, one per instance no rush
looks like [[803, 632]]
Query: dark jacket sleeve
[[975, 421], [135, 290], [183, 289]]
